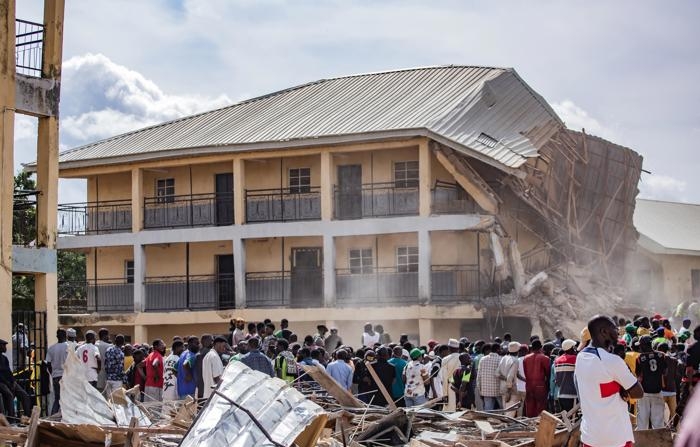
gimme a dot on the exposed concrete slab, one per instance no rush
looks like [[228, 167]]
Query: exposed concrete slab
[[37, 96], [33, 260]]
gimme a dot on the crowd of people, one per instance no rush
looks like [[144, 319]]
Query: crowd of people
[[644, 359]]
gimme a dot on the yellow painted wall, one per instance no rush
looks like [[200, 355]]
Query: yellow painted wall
[[264, 255], [110, 262], [377, 166], [170, 259], [438, 171], [204, 176], [383, 245], [181, 175], [265, 173], [109, 187], [453, 247]]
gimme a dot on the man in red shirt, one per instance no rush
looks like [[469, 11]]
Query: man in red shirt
[[154, 372], [537, 368]]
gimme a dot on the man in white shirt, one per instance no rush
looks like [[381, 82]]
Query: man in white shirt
[[89, 354], [369, 337], [103, 344], [603, 380], [212, 366], [55, 358], [170, 371]]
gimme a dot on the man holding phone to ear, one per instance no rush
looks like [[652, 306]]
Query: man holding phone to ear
[[604, 382]]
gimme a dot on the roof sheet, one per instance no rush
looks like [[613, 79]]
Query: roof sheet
[[455, 103], [671, 225]]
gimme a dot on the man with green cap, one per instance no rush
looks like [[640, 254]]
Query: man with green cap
[[415, 374], [630, 333]]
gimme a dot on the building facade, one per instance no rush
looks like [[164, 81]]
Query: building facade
[[380, 197]]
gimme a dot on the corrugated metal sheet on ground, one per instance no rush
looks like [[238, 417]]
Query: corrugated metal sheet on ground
[[458, 103], [282, 411]]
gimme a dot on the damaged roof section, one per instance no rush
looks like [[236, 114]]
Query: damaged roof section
[[250, 408], [455, 105]]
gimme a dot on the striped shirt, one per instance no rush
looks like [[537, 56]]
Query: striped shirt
[[564, 366]]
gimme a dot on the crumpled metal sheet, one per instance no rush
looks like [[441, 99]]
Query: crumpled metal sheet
[[81, 403], [282, 411]]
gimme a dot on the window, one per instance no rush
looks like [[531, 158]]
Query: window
[[129, 271], [361, 261], [165, 190], [299, 180], [406, 174], [407, 259]]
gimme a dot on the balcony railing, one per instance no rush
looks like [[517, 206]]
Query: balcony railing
[[375, 200], [194, 210], [196, 292], [455, 284], [282, 205], [298, 288], [101, 295], [381, 286], [94, 217], [537, 259], [449, 198], [29, 42]]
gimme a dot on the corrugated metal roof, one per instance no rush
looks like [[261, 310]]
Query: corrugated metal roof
[[227, 419], [671, 227], [454, 103]]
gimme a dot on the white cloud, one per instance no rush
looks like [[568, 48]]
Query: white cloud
[[576, 119], [662, 187], [102, 98]]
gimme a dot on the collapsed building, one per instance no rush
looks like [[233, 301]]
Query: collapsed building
[[439, 201]]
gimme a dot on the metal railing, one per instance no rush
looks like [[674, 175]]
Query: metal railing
[[299, 288], [283, 204], [194, 292], [375, 200], [449, 198], [192, 210], [381, 286], [537, 259], [95, 295], [113, 216], [29, 43], [455, 284]]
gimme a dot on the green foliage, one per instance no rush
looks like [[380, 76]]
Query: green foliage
[[24, 210]]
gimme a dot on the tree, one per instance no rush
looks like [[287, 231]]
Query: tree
[[71, 265]]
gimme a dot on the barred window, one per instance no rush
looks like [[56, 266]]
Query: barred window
[[129, 271], [361, 261], [407, 259], [165, 190], [299, 180], [406, 174]]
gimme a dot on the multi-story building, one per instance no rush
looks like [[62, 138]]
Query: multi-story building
[[378, 197]]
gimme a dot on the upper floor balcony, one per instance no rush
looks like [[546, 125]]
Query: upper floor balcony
[[283, 204], [29, 43], [113, 216], [375, 200], [191, 210]]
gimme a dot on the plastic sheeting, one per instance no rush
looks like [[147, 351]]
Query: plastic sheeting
[[282, 411], [81, 403]]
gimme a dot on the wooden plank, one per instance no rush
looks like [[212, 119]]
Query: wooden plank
[[33, 429], [545, 430], [343, 396], [380, 385], [3, 421], [132, 437]]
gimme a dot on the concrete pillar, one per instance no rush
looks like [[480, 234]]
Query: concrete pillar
[[326, 186], [136, 200], [7, 105], [328, 271], [139, 277], [239, 271], [238, 192], [424, 267], [141, 334], [424, 178], [425, 330]]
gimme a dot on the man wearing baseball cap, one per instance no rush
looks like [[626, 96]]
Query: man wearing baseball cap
[[564, 366], [415, 374]]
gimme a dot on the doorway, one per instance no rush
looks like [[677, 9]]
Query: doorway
[[224, 276], [307, 277], [224, 199], [349, 195]]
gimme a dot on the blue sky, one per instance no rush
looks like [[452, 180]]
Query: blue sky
[[624, 70]]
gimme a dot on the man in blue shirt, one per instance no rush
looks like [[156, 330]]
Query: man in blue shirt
[[256, 360], [397, 388], [339, 369], [186, 383]]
